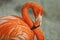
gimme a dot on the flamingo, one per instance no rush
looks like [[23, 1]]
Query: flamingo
[[16, 28]]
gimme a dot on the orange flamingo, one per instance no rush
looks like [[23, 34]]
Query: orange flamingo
[[17, 28]]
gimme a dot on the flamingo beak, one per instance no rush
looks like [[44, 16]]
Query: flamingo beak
[[39, 19]]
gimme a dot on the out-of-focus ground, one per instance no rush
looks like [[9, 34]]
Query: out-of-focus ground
[[51, 17]]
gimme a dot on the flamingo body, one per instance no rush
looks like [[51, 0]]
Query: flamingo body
[[17, 28]]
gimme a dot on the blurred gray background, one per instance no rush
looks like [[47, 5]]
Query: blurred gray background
[[51, 17]]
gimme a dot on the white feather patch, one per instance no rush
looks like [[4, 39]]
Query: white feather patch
[[2, 21]]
